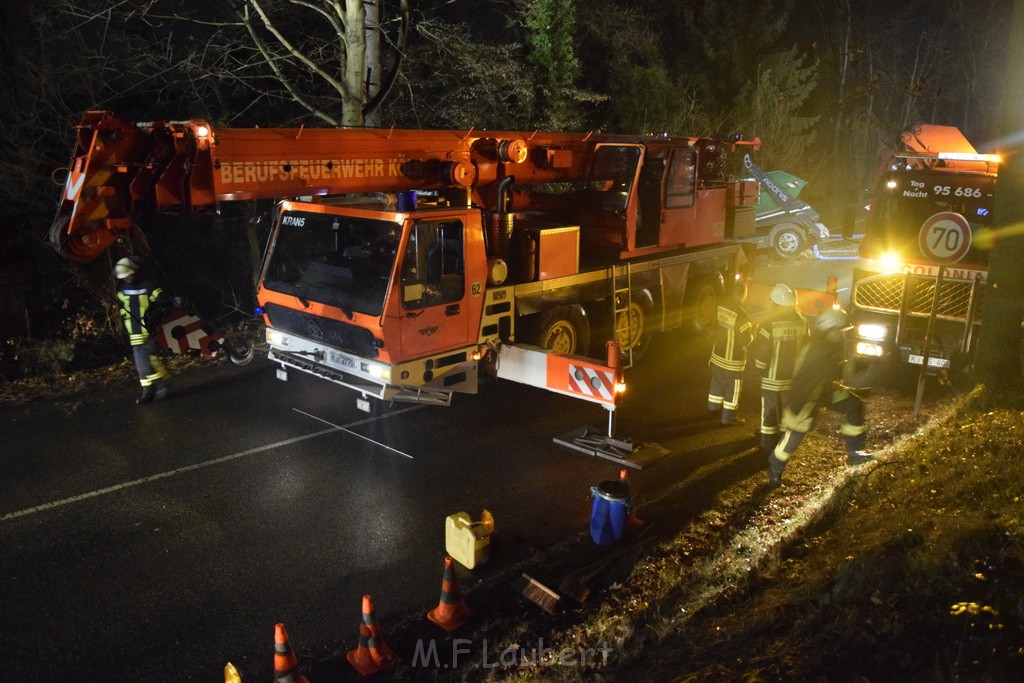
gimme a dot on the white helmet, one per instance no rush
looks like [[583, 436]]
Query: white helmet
[[783, 295], [126, 267], [833, 319]]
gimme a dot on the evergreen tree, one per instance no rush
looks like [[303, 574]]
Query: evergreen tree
[[551, 54], [770, 106]]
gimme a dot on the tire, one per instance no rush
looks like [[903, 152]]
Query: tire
[[564, 329], [240, 352], [57, 237], [640, 326], [788, 243], [704, 306]]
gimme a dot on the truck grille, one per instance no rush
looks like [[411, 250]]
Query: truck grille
[[319, 329], [883, 293]]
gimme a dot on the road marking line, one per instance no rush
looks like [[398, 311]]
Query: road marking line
[[198, 465], [366, 438]]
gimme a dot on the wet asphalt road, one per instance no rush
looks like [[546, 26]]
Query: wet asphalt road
[[157, 543]]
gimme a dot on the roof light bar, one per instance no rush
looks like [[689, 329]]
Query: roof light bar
[[966, 156]]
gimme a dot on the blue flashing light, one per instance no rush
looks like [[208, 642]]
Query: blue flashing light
[[407, 201], [258, 310]]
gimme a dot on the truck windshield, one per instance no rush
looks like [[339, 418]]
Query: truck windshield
[[904, 201], [340, 261], [608, 183]]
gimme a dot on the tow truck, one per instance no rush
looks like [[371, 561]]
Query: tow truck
[[933, 172]]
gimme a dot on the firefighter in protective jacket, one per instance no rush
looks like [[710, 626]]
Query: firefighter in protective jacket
[[821, 379], [774, 352], [729, 357], [138, 298]]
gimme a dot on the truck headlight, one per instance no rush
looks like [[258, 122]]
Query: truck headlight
[[380, 372], [869, 349], [889, 262], [872, 331], [275, 338]]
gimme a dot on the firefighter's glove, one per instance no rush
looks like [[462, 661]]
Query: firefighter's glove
[[842, 390]]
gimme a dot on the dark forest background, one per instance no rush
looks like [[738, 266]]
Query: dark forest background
[[823, 83]]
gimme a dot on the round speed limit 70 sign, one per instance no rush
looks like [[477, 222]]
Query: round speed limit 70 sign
[[945, 237]]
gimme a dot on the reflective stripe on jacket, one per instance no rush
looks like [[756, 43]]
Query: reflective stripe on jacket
[[818, 365], [734, 334], [775, 349], [136, 299]]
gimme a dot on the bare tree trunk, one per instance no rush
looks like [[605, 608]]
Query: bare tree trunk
[[908, 103], [373, 62], [355, 63], [999, 350]]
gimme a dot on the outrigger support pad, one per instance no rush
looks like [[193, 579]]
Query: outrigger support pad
[[624, 451], [590, 440]]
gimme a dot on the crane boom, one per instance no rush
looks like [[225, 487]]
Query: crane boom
[[120, 167]]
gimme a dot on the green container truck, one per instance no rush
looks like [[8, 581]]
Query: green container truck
[[781, 223]]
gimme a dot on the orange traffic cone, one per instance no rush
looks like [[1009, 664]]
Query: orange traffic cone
[[286, 667], [372, 654], [451, 612]]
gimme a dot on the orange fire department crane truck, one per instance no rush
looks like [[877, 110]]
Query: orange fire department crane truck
[[932, 194], [498, 252]]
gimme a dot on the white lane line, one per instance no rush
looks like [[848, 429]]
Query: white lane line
[[366, 438], [196, 466], [162, 475]]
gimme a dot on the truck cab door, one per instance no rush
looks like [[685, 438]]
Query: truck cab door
[[680, 193], [435, 315], [649, 200]]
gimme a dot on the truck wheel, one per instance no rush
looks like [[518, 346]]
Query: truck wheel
[[640, 332], [703, 306], [788, 243], [564, 329], [240, 352]]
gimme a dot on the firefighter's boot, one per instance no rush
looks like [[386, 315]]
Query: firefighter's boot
[[159, 390], [775, 467], [148, 394], [855, 453], [859, 457]]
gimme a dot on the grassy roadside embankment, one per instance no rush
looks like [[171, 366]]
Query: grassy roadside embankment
[[908, 569]]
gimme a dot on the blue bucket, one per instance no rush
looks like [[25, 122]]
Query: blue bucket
[[609, 513]]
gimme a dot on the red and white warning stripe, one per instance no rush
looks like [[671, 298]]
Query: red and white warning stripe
[[570, 375], [182, 332], [581, 377], [592, 383]]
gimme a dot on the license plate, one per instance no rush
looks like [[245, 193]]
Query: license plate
[[363, 405], [282, 374], [343, 361], [915, 359]]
